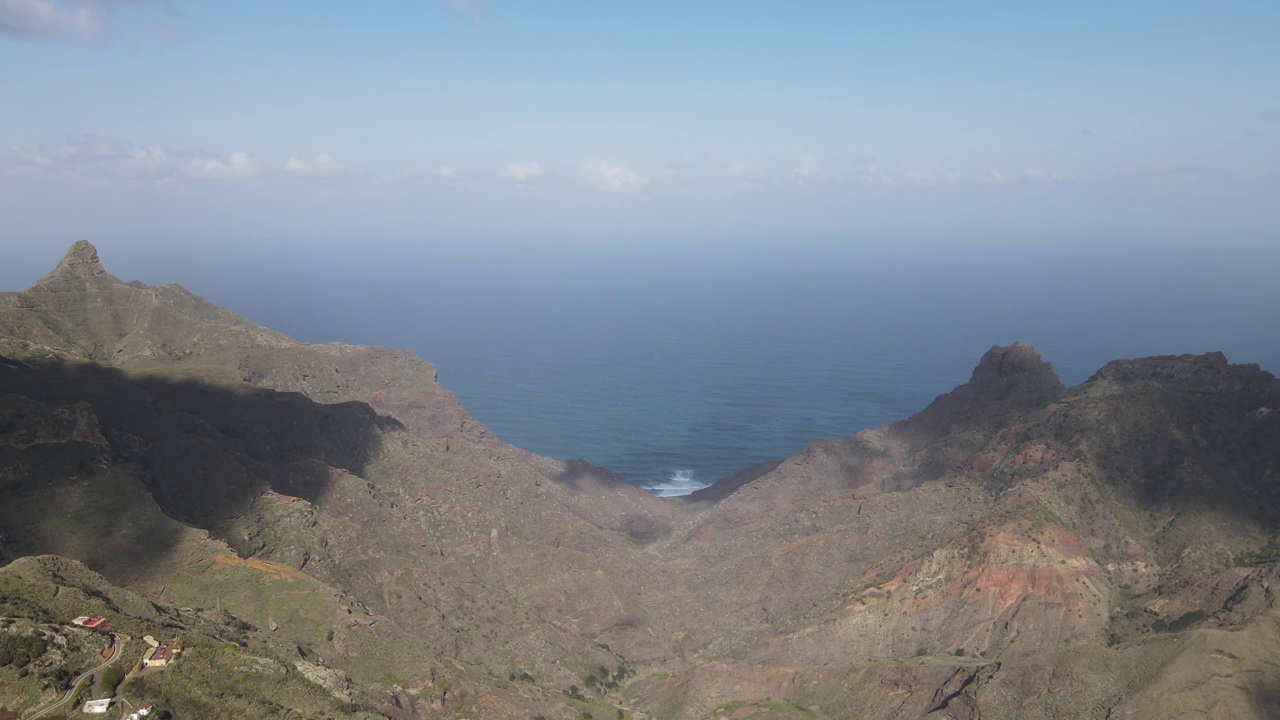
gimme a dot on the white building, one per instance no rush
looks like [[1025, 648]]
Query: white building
[[97, 707]]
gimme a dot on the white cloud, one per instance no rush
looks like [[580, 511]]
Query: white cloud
[[807, 170], [151, 162], [1176, 170], [927, 177], [614, 177], [87, 149], [321, 166], [91, 157], [521, 172], [50, 20], [1033, 175], [106, 159], [237, 166], [443, 174], [1030, 175], [745, 175], [877, 175], [42, 20]]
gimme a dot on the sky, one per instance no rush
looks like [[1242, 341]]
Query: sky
[[406, 123]]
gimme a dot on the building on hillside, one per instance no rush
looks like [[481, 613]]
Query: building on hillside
[[97, 707], [92, 622], [141, 713], [150, 641], [159, 656]]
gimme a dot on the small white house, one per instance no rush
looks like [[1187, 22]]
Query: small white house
[[97, 707]]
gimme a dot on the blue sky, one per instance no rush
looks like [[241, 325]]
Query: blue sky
[[348, 122]]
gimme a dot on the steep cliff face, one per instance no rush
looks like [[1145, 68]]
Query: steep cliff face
[[1018, 549]]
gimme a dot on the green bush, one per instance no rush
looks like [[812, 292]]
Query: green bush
[[20, 650], [111, 679], [1187, 620], [1269, 554]]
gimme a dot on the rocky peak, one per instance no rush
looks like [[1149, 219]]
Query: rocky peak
[[1209, 376], [77, 271], [80, 261], [1007, 380], [1018, 367], [1166, 369]]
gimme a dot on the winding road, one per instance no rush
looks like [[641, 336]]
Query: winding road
[[118, 647]]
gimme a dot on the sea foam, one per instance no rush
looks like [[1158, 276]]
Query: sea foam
[[680, 482]]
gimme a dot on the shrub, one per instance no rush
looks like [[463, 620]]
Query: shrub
[[20, 650], [1267, 555], [111, 679], [1187, 620]]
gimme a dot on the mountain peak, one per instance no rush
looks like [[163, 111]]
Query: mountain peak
[[81, 261], [79, 269], [1002, 364], [1007, 380]]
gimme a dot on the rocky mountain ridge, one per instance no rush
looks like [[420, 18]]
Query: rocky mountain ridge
[[1017, 549]]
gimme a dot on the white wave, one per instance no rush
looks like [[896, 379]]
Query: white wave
[[681, 482]]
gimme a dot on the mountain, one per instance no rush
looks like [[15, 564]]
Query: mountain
[[329, 519]]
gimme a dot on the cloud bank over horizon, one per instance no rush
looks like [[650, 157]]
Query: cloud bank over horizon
[[479, 117]]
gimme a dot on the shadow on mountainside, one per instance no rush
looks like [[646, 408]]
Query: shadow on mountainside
[[1265, 695], [635, 512], [85, 449], [582, 476], [1179, 432]]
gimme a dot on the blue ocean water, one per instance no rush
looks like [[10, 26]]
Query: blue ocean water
[[677, 366]]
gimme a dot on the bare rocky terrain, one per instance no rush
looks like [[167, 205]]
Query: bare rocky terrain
[[1018, 549]]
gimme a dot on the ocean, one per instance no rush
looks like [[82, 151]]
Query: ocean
[[677, 365]]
